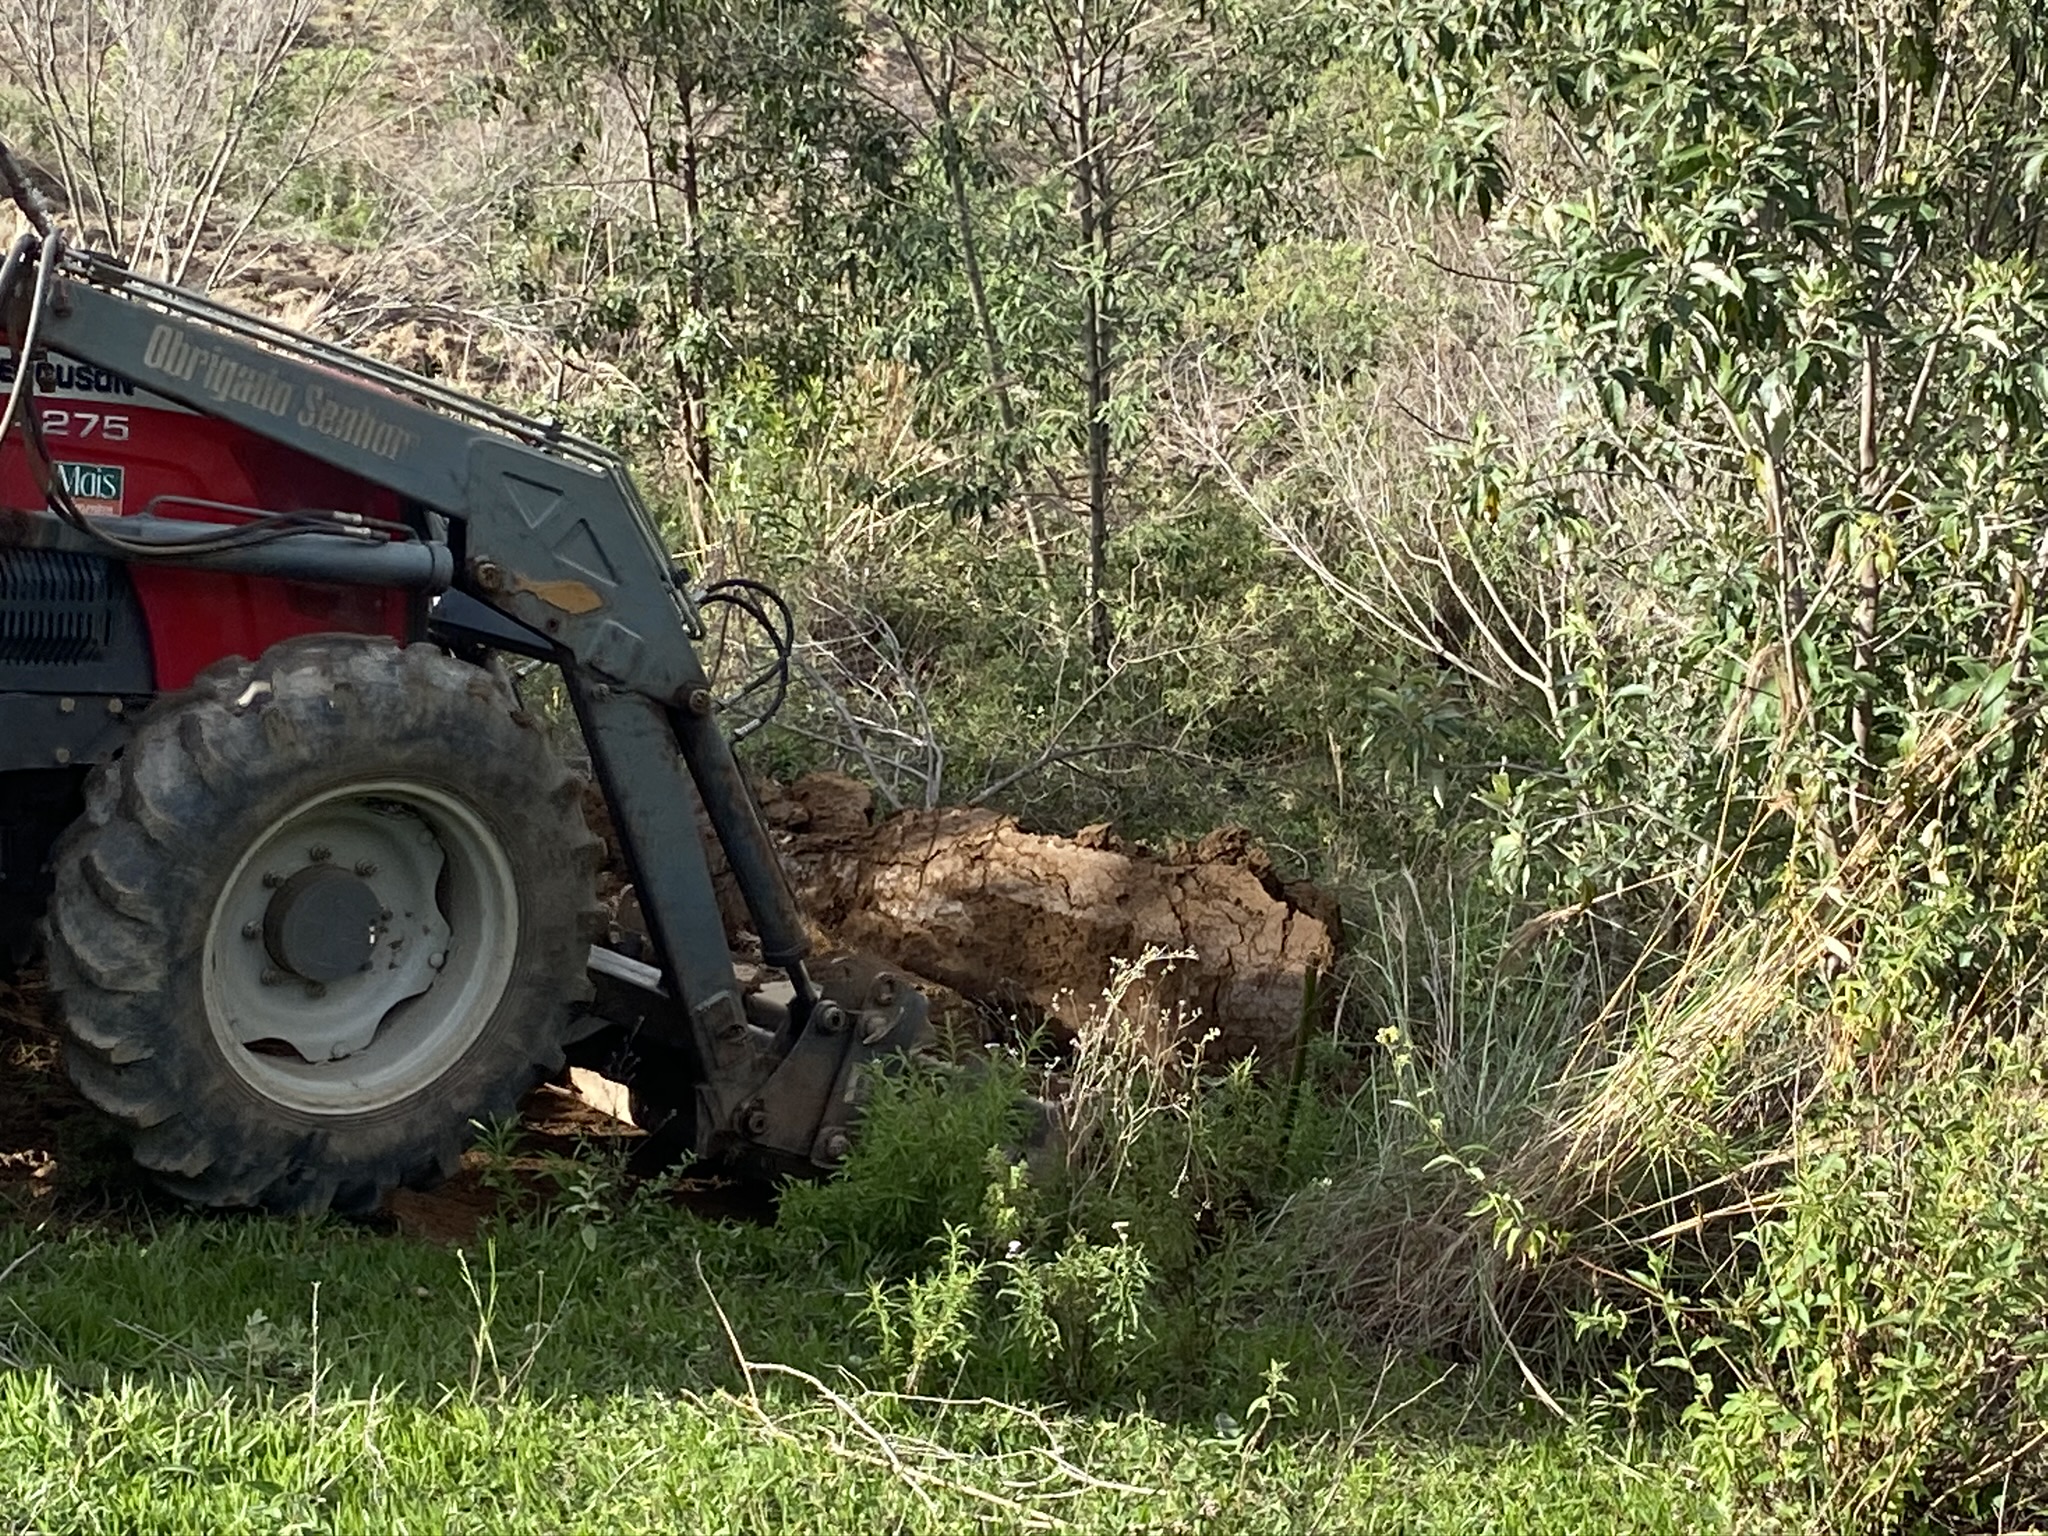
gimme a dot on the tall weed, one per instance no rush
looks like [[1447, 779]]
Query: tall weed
[[1136, 1258]]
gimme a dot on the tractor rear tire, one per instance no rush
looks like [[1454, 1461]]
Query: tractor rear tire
[[329, 910]]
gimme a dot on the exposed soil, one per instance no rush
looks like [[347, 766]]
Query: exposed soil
[[1039, 928], [60, 1162]]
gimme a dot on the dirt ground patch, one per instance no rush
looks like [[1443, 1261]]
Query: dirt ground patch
[[1039, 928], [59, 1159]]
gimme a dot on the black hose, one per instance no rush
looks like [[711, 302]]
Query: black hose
[[268, 526], [755, 599]]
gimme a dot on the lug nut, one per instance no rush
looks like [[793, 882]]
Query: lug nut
[[365, 868], [319, 853], [438, 959], [270, 977], [316, 989], [383, 914], [272, 880], [837, 1145], [252, 930]]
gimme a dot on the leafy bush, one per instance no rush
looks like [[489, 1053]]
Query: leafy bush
[[1889, 1350], [919, 1169]]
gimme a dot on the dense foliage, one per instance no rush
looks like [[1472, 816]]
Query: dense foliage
[[1568, 475]]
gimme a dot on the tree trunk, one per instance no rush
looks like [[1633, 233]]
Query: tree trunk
[[1097, 348], [695, 422], [1863, 621], [977, 291]]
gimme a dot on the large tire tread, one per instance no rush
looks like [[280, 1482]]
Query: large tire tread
[[209, 765]]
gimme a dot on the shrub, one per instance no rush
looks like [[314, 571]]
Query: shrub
[[1890, 1347]]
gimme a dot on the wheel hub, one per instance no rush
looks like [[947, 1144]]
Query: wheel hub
[[322, 924], [359, 946]]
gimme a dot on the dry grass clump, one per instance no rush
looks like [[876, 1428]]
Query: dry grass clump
[[1530, 1151]]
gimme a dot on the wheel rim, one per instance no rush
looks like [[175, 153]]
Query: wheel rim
[[444, 920]]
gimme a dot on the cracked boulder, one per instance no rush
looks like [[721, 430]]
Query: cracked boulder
[[1042, 928]]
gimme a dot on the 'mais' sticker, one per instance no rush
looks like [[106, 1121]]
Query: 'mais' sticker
[[95, 487]]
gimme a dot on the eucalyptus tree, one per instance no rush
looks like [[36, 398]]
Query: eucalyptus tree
[[747, 223], [1791, 254], [1102, 162]]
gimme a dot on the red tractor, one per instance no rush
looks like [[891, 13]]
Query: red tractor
[[316, 895]]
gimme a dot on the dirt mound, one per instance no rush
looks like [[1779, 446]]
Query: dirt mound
[[1041, 926]]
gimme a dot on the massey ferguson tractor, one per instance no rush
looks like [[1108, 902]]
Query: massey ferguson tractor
[[315, 895]]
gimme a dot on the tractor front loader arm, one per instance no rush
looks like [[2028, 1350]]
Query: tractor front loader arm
[[547, 530]]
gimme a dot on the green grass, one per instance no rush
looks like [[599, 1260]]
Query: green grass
[[573, 1373]]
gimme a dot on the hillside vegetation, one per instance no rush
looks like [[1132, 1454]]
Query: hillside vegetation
[[1568, 477]]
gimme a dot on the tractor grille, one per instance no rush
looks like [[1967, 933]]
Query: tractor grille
[[56, 609]]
